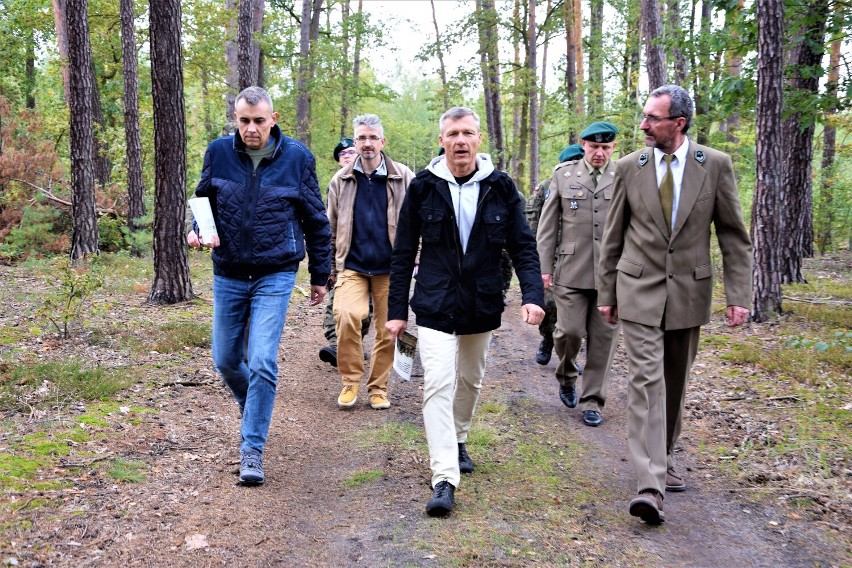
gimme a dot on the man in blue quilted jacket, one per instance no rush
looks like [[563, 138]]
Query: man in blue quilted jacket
[[268, 210]]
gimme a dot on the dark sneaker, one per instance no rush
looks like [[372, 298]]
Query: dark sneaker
[[251, 467], [674, 482], [442, 500], [592, 418], [328, 354], [545, 349], [465, 463], [568, 396], [648, 506]]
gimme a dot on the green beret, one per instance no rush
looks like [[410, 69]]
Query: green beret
[[572, 152], [599, 132], [341, 146]]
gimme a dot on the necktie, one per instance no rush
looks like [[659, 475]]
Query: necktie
[[667, 191], [595, 175]]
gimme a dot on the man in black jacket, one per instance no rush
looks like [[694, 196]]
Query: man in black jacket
[[462, 213]]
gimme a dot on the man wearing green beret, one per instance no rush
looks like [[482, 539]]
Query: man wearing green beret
[[535, 202], [569, 236]]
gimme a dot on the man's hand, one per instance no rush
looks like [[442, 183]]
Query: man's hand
[[317, 294], [736, 315], [193, 240], [547, 280], [396, 327], [332, 278], [532, 314], [609, 313]]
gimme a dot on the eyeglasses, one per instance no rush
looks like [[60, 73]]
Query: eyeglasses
[[348, 153], [655, 119], [373, 138]]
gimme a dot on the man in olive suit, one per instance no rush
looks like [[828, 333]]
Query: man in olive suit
[[656, 277]]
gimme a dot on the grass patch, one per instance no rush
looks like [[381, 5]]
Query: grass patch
[[128, 471], [70, 380], [360, 478], [400, 435], [174, 336]]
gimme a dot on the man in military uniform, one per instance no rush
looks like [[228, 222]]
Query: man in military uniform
[[534, 204], [569, 235]]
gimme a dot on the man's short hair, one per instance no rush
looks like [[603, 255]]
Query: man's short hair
[[253, 95], [457, 113], [681, 102], [370, 121]]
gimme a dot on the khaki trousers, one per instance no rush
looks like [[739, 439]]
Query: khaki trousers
[[577, 316], [453, 368], [659, 367], [351, 306]]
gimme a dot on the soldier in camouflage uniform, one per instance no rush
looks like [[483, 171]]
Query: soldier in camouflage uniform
[[534, 205]]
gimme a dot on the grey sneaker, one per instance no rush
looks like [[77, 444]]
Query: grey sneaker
[[251, 467]]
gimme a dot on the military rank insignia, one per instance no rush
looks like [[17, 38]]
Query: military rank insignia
[[643, 159], [700, 157], [573, 205]]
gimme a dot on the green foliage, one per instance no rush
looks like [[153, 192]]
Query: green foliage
[[72, 286], [35, 235]]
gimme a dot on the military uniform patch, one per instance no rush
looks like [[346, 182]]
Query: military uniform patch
[[700, 157], [643, 159]]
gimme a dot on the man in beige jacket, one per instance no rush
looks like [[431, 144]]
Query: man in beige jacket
[[656, 277], [364, 199]]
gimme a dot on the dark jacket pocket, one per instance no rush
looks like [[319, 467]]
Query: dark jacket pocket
[[430, 224]]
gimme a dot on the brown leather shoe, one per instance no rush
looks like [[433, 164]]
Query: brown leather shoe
[[674, 482], [648, 506]]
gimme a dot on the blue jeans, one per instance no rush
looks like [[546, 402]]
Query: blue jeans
[[257, 308]]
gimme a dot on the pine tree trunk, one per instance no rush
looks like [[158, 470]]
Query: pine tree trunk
[[171, 270], [654, 55], [232, 79], [570, 62], [344, 75], [532, 76], [442, 68], [133, 149], [596, 58], [808, 38], [676, 40], [303, 96], [489, 63], [768, 191], [578, 56], [84, 240]]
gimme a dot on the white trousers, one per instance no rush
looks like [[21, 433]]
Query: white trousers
[[453, 367]]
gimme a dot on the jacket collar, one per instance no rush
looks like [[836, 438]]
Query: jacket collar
[[274, 133]]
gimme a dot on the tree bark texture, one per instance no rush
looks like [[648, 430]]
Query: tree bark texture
[[808, 33], [570, 62], [655, 57], [632, 55], [303, 97], [734, 64], [578, 56], [346, 25], [532, 76], [232, 80], [676, 40], [594, 90], [100, 160], [489, 61], [133, 142], [247, 49], [171, 269], [768, 192], [84, 240]]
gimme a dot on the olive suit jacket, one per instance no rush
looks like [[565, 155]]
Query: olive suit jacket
[[572, 224], [664, 278]]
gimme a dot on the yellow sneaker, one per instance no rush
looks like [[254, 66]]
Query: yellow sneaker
[[379, 401], [348, 396]]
